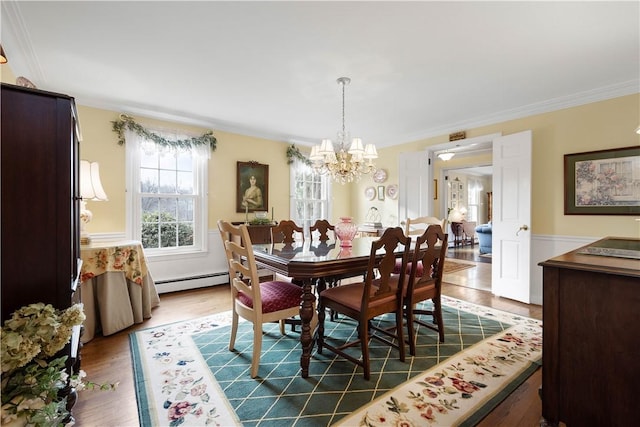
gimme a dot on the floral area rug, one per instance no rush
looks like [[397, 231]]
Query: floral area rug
[[185, 375], [466, 387]]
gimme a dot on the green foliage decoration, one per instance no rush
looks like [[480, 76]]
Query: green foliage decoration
[[125, 122], [293, 152]]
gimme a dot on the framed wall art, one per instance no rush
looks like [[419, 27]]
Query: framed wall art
[[605, 182], [252, 187], [380, 192]]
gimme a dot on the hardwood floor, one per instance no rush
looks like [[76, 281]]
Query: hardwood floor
[[108, 359]]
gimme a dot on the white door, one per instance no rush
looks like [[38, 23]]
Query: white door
[[414, 191], [511, 219]]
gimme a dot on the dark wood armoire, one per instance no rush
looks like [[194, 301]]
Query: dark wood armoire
[[40, 230]]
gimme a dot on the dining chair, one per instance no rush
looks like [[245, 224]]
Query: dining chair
[[254, 301], [321, 229], [425, 283], [417, 226], [286, 231], [379, 293]]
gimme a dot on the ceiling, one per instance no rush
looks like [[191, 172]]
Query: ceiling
[[269, 69]]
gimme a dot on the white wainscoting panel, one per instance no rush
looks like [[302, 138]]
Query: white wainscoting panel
[[544, 247]]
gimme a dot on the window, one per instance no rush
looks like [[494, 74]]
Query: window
[[310, 193], [167, 203], [473, 202]]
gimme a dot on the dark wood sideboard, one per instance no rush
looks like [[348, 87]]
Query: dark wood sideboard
[[258, 233], [591, 337]]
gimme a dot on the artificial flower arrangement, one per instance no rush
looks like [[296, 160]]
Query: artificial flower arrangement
[[31, 380]]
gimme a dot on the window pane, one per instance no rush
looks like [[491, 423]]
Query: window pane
[[167, 182], [168, 235], [150, 222], [185, 233], [168, 209], [148, 180], [148, 159], [185, 182], [185, 161], [168, 159], [185, 210]]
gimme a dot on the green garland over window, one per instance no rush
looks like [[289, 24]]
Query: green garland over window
[[293, 152], [125, 122]]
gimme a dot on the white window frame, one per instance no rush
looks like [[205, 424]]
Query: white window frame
[[326, 190], [200, 209]]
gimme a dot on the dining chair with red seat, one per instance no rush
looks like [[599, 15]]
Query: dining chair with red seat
[[380, 293], [254, 301], [425, 283]]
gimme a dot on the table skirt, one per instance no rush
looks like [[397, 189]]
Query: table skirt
[[113, 303]]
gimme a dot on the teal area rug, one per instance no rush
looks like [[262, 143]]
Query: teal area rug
[[185, 374]]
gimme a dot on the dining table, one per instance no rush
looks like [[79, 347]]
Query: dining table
[[314, 262]]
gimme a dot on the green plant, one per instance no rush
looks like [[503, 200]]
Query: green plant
[[260, 221], [32, 379]]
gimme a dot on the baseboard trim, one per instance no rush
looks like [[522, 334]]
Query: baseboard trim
[[193, 282]]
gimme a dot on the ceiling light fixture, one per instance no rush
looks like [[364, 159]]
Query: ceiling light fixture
[[343, 166], [447, 155]]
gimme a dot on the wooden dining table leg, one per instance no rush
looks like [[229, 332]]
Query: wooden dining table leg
[[306, 314]]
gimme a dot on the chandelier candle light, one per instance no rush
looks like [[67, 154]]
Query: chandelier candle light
[[343, 165]]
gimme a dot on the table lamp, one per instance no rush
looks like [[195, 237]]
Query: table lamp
[[90, 189]]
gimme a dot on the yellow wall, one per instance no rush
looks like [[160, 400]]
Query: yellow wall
[[100, 144], [596, 126]]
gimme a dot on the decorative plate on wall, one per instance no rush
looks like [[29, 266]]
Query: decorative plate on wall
[[380, 176], [370, 193], [392, 191]]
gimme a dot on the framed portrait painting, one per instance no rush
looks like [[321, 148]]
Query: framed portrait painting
[[605, 182], [252, 187]]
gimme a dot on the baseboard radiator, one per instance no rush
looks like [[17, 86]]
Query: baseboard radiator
[[192, 282]]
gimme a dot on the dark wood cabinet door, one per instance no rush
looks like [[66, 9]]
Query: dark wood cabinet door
[[40, 222]]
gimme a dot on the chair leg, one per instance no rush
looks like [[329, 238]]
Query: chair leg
[[234, 330], [364, 345], [400, 332], [281, 322], [411, 332], [257, 348], [437, 311]]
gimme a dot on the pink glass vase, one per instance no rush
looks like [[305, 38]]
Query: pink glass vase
[[346, 230]]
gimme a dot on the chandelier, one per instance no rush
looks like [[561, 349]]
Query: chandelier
[[343, 165]]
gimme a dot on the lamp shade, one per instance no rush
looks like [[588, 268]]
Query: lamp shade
[[90, 184], [370, 152], [3, 57], [356, 146]]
